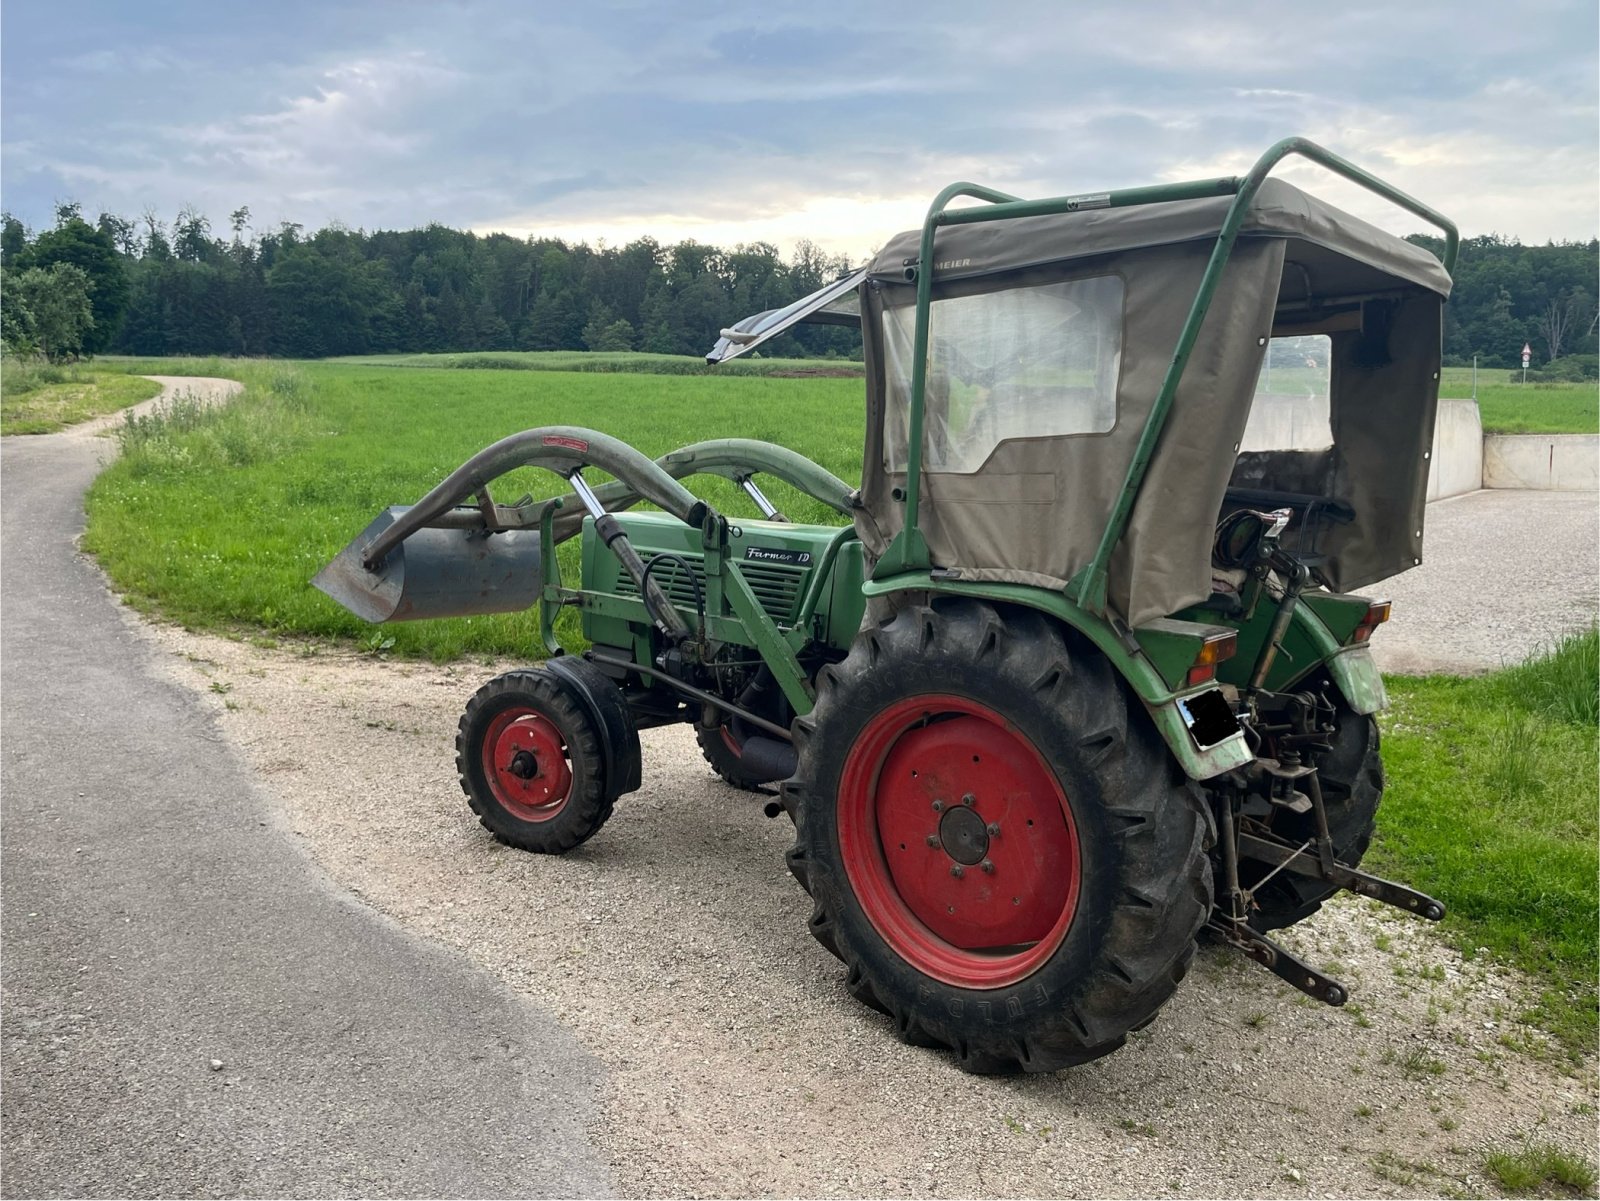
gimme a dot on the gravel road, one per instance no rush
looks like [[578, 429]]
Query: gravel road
[[673, 946], [1504, 574], [191, 1007]]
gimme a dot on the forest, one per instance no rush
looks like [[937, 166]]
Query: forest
[[149, 288]]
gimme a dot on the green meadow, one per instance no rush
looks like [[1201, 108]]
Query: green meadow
[[218, 519], [1533, 408]]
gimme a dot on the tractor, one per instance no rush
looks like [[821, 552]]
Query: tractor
[[1081, 676]]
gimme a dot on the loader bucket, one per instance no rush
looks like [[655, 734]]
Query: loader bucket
[[436, 573]]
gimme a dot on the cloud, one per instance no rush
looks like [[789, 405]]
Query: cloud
[[835, 122]]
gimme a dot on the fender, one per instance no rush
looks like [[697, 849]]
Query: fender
[[602, 702], [1162, 702]]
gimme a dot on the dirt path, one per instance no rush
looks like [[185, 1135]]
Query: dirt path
[[202, 390], [674, 944]]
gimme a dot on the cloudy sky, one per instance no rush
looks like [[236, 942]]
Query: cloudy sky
[[833, 121]]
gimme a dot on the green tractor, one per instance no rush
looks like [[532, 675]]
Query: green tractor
[[1082, 677]]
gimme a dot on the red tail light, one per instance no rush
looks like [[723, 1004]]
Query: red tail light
[[1214, 650], [1377, 614]]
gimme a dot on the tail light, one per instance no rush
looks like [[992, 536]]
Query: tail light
[[1377, 614], [1214, 650]]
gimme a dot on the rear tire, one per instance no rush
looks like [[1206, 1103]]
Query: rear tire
[[1351, 776], [715, 748], [530, 762], [1077, 805]]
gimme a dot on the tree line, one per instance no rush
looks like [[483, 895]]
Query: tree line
[[1508, 295], [149, 288], [156, 289]]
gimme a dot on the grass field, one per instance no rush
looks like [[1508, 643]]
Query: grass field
[[1491, 805], [39, 398], [1509, 408], [218, 519], [612, 363]]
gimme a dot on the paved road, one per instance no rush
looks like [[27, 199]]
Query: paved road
[[156, 918], [1504, 574]]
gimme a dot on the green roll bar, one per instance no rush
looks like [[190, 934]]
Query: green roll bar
[[909, 550]]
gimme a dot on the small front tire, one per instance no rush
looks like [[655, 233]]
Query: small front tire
[[529, 760]]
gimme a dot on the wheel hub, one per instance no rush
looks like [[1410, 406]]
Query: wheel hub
[[964, 835], [526, 762], [958, 840]]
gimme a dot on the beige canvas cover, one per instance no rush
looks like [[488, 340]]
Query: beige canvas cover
[[1034, 509]]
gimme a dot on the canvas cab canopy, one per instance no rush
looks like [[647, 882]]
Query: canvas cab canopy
[[1312, 381]]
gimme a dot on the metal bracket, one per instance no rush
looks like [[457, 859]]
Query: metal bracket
[[1281, 962], [1301, 864]]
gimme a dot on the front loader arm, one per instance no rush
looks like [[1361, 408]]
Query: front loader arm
[[563, 449]]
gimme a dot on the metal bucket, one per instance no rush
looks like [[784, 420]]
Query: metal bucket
[[436, 573]]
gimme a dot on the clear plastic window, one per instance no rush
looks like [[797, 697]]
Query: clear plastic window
[[1290, 409], [1037, 362]]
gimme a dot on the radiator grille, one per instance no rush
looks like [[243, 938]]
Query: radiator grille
[[776, 585]]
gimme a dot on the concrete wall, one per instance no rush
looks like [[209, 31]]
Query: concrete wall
[[1287, 421], [1463, 458], [1456, 462], [1549, 462]]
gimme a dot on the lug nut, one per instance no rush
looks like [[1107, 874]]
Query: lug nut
[[993, 828], [938, 806], [957, 870], [988, 866], [933, 840], [969, 800]]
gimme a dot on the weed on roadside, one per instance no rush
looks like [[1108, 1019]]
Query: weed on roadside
[[1541, 1168]]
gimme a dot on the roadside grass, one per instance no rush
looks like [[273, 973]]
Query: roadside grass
[[613, 362], [42, 398], [1491, 806], [1540, 1169], [1508, 408], [219, 519]]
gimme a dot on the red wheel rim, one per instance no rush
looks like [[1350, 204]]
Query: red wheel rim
[[525, 762], [958, 841]]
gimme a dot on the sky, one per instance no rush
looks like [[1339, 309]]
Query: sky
[[835, 122]]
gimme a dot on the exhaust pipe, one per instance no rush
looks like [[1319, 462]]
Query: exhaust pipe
[[436, 573]]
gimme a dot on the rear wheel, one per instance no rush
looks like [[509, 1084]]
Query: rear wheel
[[723, 749], [998, 845], [530, 763], [1351, 776]]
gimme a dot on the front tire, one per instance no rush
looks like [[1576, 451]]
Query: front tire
[[529, 760], [997, 843]]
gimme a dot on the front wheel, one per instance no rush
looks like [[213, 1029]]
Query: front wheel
[[530, 763], [998, 845]]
